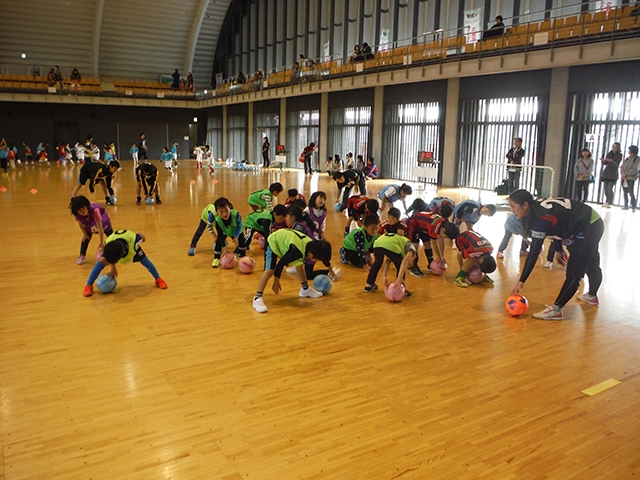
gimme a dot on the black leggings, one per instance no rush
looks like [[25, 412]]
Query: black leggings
[[582, 190], [628, 192], [352, 257], [196, 236], [265, 159], [584, 258], [381, 254], [85, 243], [311, 273]]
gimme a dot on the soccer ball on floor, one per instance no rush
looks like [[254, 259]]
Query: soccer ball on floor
[[517, 305], [149, 201], [105, 283], [322, 283], [246, 265], [394, 294]]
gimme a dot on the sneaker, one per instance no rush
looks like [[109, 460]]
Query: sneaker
[[487, 280], [138, 201], [88, 290], [500, 255], [548, 265], [370, 288], [292, 270], [416, 272], [549, 313], [158, 201], [161, 284], [343, 256], [109, 202], [192, 251], [259, 306], [625, 208], [460, 282], [408, 294], [215, 263], [524, 253], [309, 292], [590, 299], [336, 272], [80, 260]]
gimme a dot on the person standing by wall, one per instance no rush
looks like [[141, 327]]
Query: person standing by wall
[[515, 156], [265, 153], [142, 147], [609, 175], [307, 153], [629, 175], [583, 169]]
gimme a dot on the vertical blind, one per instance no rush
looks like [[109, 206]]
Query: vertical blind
[[265, 125], [410, 128], [302, 129], [349, 130], [214, 134], [237, 137], [606, 118], [487, 129]]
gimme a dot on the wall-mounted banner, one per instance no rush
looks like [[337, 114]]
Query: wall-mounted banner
[[472, 25]]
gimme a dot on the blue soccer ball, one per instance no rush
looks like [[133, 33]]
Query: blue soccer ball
[[106, 284], [322, 283], [338, 207], [149, 201], [113, 199]]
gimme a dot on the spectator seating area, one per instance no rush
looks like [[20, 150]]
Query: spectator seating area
[[588, 27]]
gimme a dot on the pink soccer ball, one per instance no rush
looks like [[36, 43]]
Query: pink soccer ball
[[438, 267], [475, 275], [394, 294], [228, 260], [261, 241], [246, 264]]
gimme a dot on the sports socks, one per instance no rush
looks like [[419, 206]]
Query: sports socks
[[258, 295], [95, 273], [150, 267], [305, 285]]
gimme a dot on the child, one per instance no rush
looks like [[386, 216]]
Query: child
[[92, 218], [108, 156], [329, 165], [359, 242], [134, 154], [41, 153], [79, 149], [167, 158], [264, 222], [438, 203], [392, 193], [473, 249], [345, 182], [288, 247], [359, 206], [147, 177], [112, 150], [470, 212], [263, 199], [28, 154], [391, 248], [371, 170], [98, 173], [348, 161], [12, 155], [513, 227], [95, 152], [428, 226], [210, 161], [174, 154], [68, 153], [227, 223], [123, 246], [4, 157], [62, 155], [198, 153], [360, 165], [293, 195], [317, 210], [300, 221], [393, 224], [206, 221]]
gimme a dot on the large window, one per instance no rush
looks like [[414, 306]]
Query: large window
[[266, 125], [214, 134], [487, 129], [237, 137], [349, 130], [410, 128], [302, 129], [597, 121]]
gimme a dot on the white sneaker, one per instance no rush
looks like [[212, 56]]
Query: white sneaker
[[80, 260], [336, 272], [548, 265], [292, 270], [259, 306], [309, 292], [549, 313], [591, 300]]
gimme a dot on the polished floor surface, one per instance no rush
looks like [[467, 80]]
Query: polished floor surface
[[191, 383]]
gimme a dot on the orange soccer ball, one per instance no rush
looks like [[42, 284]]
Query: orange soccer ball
[[517, 305]]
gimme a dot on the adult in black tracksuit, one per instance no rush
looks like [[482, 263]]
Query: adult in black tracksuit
[[566, 220], [515, 156], [307, 153], [142, 147], [346, 181]]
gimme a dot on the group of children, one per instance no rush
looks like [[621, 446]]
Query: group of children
[[201, 152]]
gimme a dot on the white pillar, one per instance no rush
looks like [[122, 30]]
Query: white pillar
[[558, 104], [324, 130], [450, 158], [282, 126], [378, 124]]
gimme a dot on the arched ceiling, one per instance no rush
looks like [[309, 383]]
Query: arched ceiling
[[112, 38]]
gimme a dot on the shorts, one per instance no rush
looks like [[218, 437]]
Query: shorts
[[417, 236], [270, 259]]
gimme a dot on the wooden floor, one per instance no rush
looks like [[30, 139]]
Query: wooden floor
[[191, 383]]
